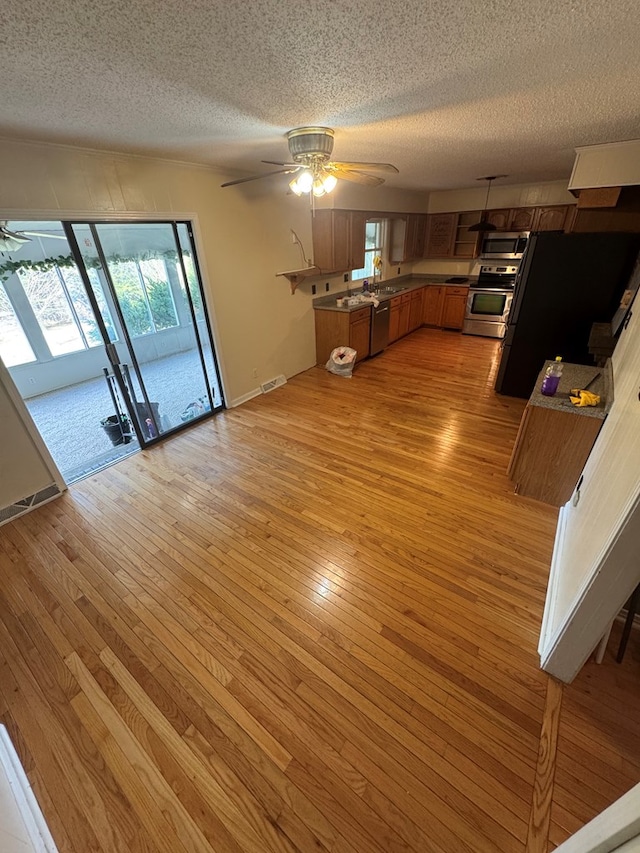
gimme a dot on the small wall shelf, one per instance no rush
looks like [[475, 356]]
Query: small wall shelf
[[297, 276]]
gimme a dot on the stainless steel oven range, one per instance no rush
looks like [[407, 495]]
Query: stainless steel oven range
[[489, 301]]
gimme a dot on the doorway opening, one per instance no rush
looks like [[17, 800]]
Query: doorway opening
[[104, 331]]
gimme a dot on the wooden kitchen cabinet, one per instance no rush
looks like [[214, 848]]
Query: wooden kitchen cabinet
[[342, 328], [441, 235], [408, 234], [523, 219], [466, 244], [554, 439], [405, 310], [432, 305], [554, 218], [394, 318], [338, 239], [499, 219], [360, 332], [444, 306], [454, 307], [415, 309]]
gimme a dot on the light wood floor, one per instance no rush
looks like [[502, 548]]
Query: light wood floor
[[308, 625]]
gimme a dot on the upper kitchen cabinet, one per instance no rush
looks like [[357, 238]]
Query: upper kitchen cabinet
[[408, 234], [522, 219], [338, 239], [466, 242], [499, 219], [554, 218], [441, 235]]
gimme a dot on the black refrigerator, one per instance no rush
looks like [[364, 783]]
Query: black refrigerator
[[566, 282]]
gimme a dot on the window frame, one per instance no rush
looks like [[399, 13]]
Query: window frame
[[377, 250]]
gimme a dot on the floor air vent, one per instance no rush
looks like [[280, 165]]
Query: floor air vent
[[273, 383]]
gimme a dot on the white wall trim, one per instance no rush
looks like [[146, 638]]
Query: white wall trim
[[599, 600], [238, 401], [548, 617], [26, 803], [608, 830], [30, 427]]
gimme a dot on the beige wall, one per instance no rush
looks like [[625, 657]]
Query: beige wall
[[518, 195], [243, 236], [22, 469]]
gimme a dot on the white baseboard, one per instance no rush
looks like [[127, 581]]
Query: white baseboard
[[21, 820], [238, 401]]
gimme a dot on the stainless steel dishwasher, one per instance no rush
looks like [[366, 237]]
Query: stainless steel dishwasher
[[379, 328]]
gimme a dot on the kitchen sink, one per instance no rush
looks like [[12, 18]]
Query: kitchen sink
[[389, 289]]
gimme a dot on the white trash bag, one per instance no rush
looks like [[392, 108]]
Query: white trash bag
[[341, 361]]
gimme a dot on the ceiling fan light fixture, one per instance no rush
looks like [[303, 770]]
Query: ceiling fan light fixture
[[293, 186], [330, 183], [318, 188], [305, 181]]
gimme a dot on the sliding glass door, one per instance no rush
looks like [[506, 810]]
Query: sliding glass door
[[161, 355], [105, 334]]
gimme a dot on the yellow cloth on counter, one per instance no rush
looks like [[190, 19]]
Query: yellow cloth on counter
[[583, 398]]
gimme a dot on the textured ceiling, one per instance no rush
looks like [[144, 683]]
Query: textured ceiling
[[447, 91]]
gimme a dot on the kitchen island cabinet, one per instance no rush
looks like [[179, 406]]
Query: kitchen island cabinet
[[342, 328], [555, 438]]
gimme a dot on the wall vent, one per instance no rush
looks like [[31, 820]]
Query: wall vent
[[26, 504], [273, 383]]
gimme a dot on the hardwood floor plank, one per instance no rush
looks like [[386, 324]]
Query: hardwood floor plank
[[308, 624], [543, 790]]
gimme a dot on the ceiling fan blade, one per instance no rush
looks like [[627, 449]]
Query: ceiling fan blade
[[367, 167], [13, 235], [257, 177], [357, 177], [278, 163], [44, 234]]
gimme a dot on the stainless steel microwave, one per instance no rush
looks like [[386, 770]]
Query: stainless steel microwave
[[507, 245]]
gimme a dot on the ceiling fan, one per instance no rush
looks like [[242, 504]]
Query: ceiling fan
[[11, 241], [314, 171]]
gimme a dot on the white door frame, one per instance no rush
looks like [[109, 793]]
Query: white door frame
[[609, 830]]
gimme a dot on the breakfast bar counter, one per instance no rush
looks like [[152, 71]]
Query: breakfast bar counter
[[555, 437]]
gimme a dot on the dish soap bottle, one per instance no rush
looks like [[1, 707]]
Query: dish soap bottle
[[552, 377]]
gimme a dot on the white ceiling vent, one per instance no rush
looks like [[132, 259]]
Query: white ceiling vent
[[273, 383]]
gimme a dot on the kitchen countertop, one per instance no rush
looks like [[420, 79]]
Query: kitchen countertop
[[577, 376], [408, 283]]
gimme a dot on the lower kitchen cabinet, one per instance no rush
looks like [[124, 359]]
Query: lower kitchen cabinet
[[399, 316], [415, 309], [432, 305], [405, 309], [454, 308], [444, 306], [394, 318], [340, 329], [360, 332]]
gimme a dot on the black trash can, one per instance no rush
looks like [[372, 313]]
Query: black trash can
[[117, 432]]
